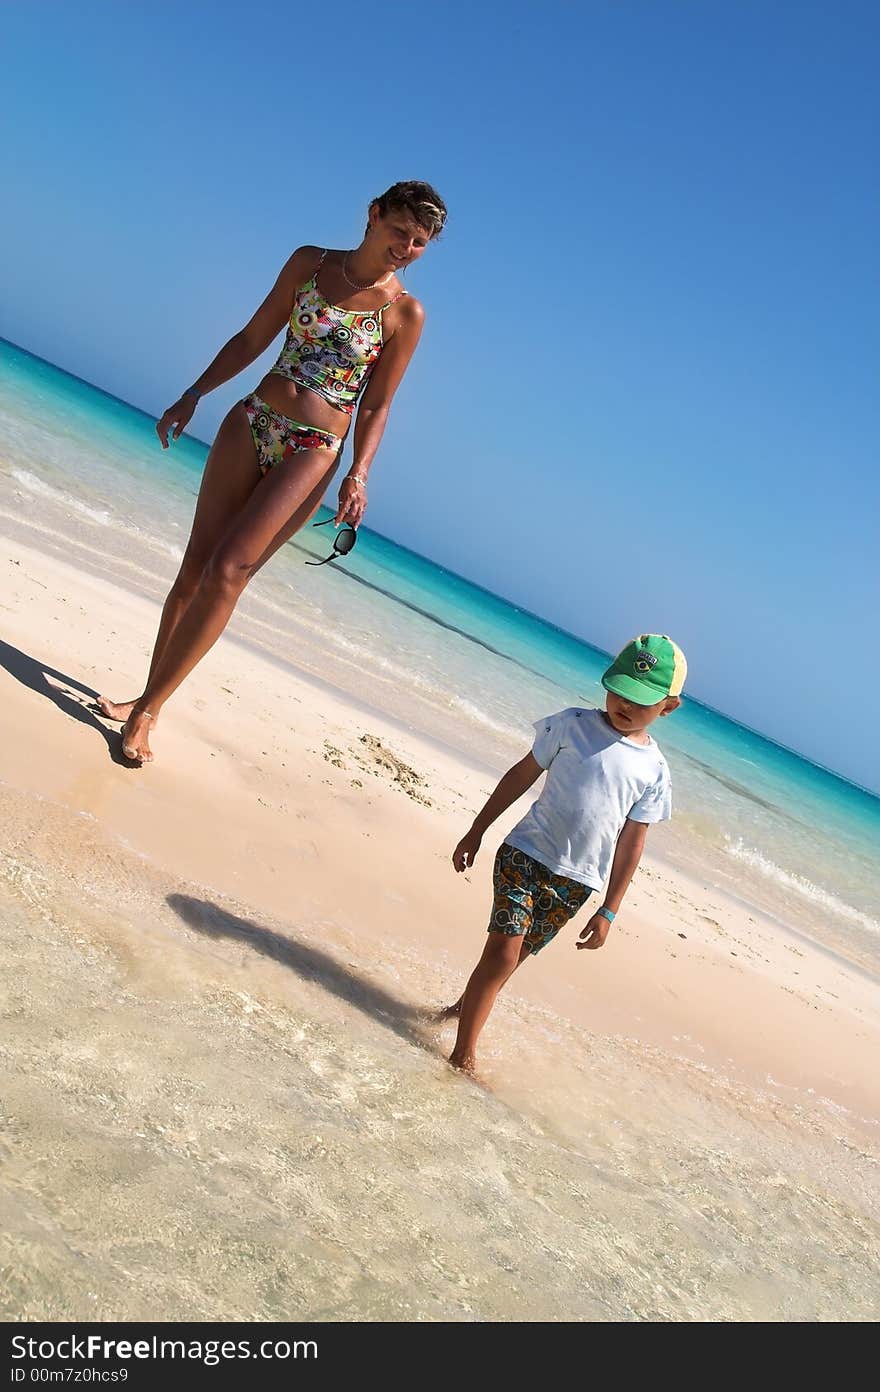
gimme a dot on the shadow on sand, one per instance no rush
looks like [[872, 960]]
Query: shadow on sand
[[311, 964], [36, 676]]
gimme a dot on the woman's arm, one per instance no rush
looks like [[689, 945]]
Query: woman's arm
[[373, 411], [245, 346], [516, 781]]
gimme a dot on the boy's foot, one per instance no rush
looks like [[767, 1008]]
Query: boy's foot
[[114, 710], [449, 1012], [135, 737], [465, 1063]]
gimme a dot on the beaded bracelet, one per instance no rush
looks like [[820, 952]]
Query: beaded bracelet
[[357, 478]]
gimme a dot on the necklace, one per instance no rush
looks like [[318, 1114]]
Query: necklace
[[371, 285]]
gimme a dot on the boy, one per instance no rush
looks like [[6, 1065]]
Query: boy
[[606, 782]]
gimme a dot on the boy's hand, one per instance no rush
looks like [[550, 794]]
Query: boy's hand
[[465, 852], [594, 933]]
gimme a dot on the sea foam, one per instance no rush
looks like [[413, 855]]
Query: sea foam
[[749, 856]]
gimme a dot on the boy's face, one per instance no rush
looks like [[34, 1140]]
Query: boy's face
[[629, 719]]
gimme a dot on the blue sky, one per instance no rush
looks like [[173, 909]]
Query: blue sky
[[646, 397]]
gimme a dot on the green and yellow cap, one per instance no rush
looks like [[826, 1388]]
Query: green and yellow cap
[[648, 669]]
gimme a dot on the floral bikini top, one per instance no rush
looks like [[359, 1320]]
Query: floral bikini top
[[330, 350]]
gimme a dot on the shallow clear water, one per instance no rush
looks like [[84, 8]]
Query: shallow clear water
[[324, 1163]]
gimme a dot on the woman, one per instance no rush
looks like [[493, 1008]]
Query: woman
[[352, 330]]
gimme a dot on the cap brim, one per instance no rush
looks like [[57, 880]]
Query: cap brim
[[631, 690]]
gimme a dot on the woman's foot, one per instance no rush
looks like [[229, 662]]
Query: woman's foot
[[136, 737], [115, 710]]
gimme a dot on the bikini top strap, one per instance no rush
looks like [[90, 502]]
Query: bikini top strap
[[314, 279], [398, 296]]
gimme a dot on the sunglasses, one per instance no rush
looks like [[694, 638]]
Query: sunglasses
[[343, 542]]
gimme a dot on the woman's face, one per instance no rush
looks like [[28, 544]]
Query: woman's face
[[397, 236]]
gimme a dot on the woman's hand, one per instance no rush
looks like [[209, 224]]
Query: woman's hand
[[352, 501], [179, 416]]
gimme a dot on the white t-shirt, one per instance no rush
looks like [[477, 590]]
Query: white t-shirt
[[596, 779]]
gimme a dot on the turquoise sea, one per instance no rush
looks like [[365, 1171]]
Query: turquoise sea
[[82, 474]]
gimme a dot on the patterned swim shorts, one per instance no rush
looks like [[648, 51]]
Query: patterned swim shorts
[[531, 901]]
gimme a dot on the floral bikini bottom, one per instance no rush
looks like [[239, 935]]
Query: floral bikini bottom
[[276, 436]]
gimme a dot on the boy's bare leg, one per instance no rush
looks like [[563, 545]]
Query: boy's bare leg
[[501, 957]]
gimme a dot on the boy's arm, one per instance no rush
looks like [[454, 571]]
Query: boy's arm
[[516, 781], [628, 853]]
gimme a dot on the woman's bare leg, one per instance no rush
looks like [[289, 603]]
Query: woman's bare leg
[[277, 508], [230, 477]]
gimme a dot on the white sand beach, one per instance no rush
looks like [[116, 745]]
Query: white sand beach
[[225, 1096]]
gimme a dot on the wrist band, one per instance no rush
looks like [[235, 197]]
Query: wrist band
[[607, 913], [191, 391], [357, 478]]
